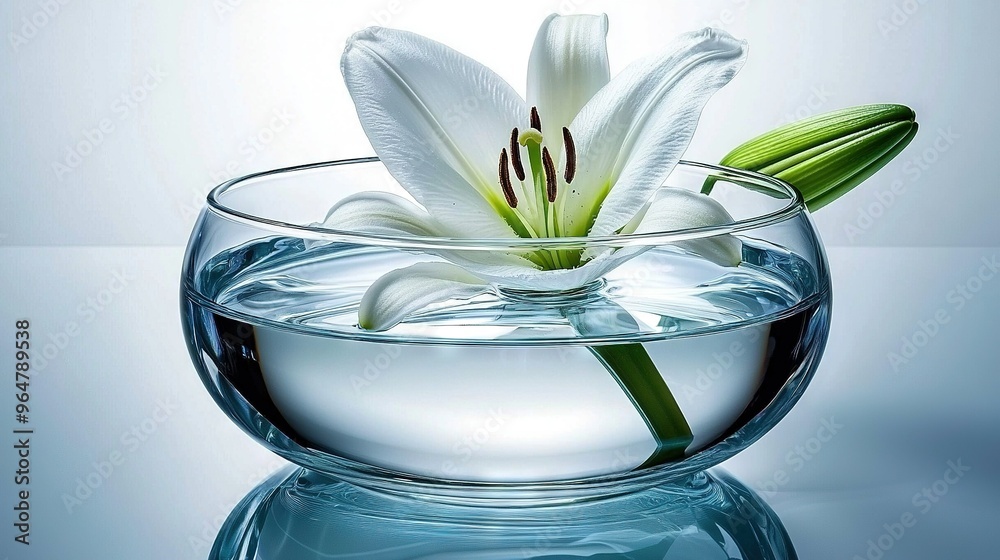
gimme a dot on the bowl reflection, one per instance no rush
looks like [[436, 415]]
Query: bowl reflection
[[299, 514]]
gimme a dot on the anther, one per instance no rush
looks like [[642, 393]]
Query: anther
[[515, 155], [570, 155], [505, 185], [551, 181], [536, 121]]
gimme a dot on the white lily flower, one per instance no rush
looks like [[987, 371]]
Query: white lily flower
[[584, 156]]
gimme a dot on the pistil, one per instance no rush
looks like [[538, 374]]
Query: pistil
[[531, 135]]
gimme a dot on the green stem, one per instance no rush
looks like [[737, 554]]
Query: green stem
[[638, 376]]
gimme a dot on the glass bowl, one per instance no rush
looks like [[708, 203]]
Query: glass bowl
[[514, 389]]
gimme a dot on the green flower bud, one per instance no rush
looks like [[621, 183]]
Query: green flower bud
[[827, 155]]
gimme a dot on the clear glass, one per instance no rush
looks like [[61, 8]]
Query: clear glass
[[510, 389], [300, 515]]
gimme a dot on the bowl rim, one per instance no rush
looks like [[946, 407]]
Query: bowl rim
[[794, 207]]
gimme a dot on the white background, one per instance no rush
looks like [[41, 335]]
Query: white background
[[219, 89]]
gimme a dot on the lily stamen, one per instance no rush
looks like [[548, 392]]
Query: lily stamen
[[515, 155], [536, 121], [570, 155], [505, 184], [551, 182]]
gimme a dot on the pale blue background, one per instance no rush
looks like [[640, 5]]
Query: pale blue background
[[210, 77]]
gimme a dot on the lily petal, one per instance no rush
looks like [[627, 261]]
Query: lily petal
[[381, 213], [535, 279], [673, 209], [401, 292], [387, 214], [633, 132], [568, 65], [438, 120]]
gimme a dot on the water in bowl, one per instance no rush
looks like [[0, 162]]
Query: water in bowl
[[502, 387]]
